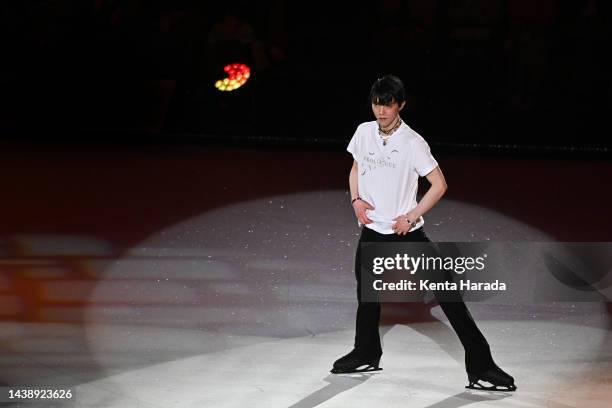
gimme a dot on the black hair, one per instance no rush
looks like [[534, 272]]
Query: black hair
[[387, 90]]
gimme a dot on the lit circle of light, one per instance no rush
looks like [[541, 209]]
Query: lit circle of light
[[237, 75], [239, 283]]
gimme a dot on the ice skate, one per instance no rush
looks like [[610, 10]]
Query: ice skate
[[352, 363], [499, 380]]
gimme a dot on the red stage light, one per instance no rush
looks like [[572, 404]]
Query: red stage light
[[237, 75]]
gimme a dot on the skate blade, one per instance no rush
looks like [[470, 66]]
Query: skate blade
[[496, 388], [368, 369]]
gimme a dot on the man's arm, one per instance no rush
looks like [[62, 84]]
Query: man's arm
[[353, 181], [432, 196], [359, 206]]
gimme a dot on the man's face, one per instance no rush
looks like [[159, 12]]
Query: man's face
[[386, 114]]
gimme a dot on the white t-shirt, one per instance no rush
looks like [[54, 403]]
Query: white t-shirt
[[388, 175]]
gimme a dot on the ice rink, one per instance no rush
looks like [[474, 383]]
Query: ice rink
[[249, 303]]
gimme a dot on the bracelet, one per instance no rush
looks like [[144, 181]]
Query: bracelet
[[355, 199], [412, 223]]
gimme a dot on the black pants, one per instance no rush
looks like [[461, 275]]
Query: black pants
[[367, 339]]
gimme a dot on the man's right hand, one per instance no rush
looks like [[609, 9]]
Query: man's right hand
[[360, 206]]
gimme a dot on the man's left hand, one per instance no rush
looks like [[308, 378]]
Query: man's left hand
[[401, 226]]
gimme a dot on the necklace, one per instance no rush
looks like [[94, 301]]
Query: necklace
[[386, 134]]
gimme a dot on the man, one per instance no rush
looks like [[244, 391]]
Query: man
[[389, 157]]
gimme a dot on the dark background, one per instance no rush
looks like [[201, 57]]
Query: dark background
[[506, 74]]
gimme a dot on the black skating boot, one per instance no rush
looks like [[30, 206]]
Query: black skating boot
[[498, 378], [352, 363]]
